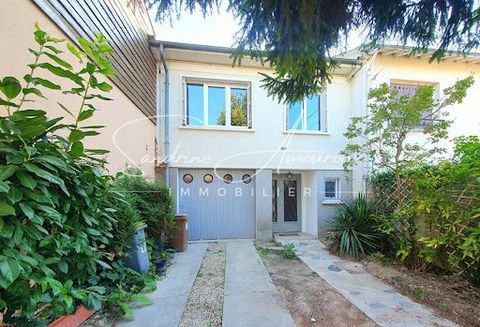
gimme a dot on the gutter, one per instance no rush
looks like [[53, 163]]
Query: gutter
[[225, 50], [166, 141]]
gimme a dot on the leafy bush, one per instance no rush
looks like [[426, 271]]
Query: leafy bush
[[442, 212], [154, 204], [123, 286], [446, 209], [121, 204], [55, 230], [353, 231]]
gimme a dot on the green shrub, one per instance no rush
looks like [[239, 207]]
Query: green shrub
[[55, 229], [121, 204], [123, 286], [445, 207], [442, 213], [353, 231], [154, 204]]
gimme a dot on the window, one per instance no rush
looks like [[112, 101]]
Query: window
[[238, 107], [410, 89], [246, 178], [228, 178], [208, 178], [195, 104], [187, 178], [307, 115], [217, 104], [332, 189]]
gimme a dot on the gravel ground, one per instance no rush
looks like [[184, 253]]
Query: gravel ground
[[311, 301], [205, 304]]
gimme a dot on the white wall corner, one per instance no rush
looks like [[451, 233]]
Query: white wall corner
[[309, 196], [263, 205]]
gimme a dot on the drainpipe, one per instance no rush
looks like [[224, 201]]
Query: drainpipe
[[367, 83], [166, 141]]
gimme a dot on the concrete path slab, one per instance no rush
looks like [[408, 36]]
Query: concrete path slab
[[250, 297], [172, 293], [377, 300]]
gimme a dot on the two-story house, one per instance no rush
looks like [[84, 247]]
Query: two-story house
[[243, 165]]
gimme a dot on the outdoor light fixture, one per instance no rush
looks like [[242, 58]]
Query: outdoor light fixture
[[289, 175]]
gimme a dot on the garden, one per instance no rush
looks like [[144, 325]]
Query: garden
[[67, 228], [418, 226]]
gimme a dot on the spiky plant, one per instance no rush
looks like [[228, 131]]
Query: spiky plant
[[353, 230]]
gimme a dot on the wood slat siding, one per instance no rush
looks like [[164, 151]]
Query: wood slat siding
[[128, 29]]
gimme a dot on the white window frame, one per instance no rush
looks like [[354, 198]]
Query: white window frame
[[228, 85], [323, 118], [337, 189]]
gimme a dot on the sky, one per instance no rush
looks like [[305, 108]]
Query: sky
[[217, 29]]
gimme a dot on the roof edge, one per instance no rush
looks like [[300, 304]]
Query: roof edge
[[226, 50]]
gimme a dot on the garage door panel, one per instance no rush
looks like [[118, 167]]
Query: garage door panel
[[218, 210]]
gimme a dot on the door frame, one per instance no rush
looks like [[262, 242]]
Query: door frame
[[281, 226]]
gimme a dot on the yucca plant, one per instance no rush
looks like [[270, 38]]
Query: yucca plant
[[353, 230]]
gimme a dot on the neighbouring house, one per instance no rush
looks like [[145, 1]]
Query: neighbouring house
[[130, 119], [243, 165]]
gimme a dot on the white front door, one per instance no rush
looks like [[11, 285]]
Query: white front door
[[286, 203]]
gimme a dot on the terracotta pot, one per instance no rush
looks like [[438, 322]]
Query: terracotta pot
[[74, 320]]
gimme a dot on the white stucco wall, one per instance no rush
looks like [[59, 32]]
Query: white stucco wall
[[128, 134], [261, 146], [309, 202]]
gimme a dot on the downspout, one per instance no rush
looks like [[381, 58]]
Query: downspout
[[367, 82], [166, 141]]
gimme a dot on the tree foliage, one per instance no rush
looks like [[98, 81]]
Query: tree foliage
[[297, 37], [238, 112], [382, 137]]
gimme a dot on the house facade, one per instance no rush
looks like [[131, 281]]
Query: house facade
[[243, 165], [394, 66], [130, 118], [238, 162], [274, 169]]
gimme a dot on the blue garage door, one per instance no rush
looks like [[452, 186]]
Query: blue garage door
[[220, 203]]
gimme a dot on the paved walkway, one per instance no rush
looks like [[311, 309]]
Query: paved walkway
[[172, 293], [250, 297], [376, 299]]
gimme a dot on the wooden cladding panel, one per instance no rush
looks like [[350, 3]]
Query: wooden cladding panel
[[125, 27]]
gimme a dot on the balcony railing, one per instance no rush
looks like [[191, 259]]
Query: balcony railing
[[427, 122]]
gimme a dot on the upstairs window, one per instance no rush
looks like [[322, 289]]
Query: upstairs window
[[307, 115], [409, 89], [217, 104]]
